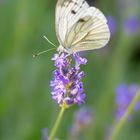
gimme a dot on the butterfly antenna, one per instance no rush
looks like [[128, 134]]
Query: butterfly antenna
[[49, 41], [35, 55]]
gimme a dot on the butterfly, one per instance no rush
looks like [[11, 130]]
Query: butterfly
[[80, 27]]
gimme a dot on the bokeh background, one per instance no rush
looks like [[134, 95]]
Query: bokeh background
[[25, 99]]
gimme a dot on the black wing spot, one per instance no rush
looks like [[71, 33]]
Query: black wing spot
[[83, 1], [73, 12], [75, 3], [81, 20]]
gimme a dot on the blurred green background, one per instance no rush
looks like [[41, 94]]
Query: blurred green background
[[25, 99]]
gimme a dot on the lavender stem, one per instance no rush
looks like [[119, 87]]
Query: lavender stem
[[57, 123]]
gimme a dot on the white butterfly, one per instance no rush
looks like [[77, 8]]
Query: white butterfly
[[80, 27]]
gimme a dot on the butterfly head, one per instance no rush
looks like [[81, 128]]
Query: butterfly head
[[62, 49]]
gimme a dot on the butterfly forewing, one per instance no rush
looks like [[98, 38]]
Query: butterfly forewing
[[67, 14]]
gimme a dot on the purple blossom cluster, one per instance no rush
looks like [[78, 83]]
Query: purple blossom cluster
[[124, 96], [83, 117], [132, 25], [82, 120], [112, 24], [67, 88], [44, 134]]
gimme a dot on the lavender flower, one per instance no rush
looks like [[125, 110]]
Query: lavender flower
[[112, 24], [124, 95], [44, 134], [82, 120], [83, 117], [67, 88], [132, 25]]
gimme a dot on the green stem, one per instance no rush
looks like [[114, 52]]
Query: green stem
[[57, 123], [121, 123]]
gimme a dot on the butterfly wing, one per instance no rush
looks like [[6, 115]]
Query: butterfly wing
[[67, 14], [80, 27], [88, 33]]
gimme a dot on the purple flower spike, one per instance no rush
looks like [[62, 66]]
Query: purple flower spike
[[112, 24], [83, 116], [67, 88], [82, 120], [124, 96], [132, 25], [44, 134]]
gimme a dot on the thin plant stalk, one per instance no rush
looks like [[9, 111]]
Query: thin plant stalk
[[121, 123], [57, 123]]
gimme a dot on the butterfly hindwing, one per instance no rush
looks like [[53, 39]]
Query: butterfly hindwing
[[78, 31], [92, 33], [97, 37]]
